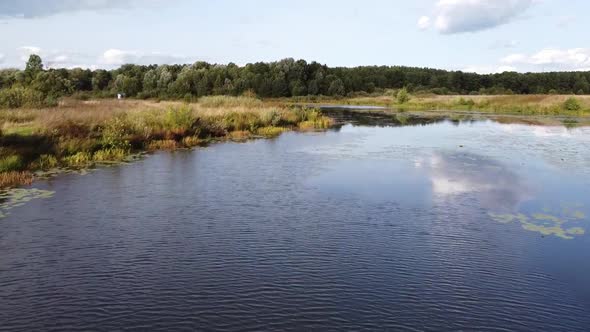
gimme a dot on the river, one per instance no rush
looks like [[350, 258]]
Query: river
[[431, 225]]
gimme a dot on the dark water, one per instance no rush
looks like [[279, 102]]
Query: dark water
[[444, 226]]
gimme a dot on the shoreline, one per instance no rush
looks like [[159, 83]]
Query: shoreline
[[83, 134]]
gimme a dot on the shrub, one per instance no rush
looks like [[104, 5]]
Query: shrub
[[51, 101], [466, 102], [572, 104], [179, 120], [16, 97], [402, 96], [114, 135], [271, 117]]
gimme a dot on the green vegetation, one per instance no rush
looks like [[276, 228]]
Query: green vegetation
[[566, 225], [578, 106], [402, 96], [80, 134], [572, 104], [10, 163], [37, 85]]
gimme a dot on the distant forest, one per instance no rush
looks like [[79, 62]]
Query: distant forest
[[36, 85]]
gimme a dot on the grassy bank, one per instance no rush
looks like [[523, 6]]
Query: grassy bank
[[79, 134], [565, 105]]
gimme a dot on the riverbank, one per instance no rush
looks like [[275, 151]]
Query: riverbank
[[560, 105], [80, 134]]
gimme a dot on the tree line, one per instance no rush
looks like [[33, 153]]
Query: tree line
[[286, 78]]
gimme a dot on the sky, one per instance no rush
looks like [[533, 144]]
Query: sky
[[484, 36]]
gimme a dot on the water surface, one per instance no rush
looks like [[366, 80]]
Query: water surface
[[436, 225]]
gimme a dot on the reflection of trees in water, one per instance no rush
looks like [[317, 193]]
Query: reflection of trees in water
[[378, 119], [492, 183]]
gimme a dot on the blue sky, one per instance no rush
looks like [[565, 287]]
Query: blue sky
[[470, 35]]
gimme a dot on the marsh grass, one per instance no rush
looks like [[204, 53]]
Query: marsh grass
[[271, 132], [15, 178], [230, 102], [165, 144], [110, 155], [546, 104], [77, 160], [80, 133], [11, 163]]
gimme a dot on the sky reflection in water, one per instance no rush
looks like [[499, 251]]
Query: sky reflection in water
[[529, 175]]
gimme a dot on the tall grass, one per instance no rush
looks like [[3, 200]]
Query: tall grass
[[11, 163], [227, 101], [13, 179], [81, 133]]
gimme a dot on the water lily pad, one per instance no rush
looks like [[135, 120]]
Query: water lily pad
[[12, 198]]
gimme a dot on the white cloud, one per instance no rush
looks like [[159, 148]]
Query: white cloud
[[27, 51], [424, 23], [553, 59], [41, 8], [456, 16], [513, 58], [1, 58], [116, 57], [109, 59]]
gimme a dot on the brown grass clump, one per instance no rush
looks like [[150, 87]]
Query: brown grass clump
[[166, 144], [14, 178], [191, 141], [239, 135]]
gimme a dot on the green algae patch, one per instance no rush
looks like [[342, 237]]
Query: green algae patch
[[576, 231], [545, 223], [12, 198], [579, 215], [547, 217]]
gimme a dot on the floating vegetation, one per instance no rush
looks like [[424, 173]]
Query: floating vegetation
[[547, 224], [12, 198]]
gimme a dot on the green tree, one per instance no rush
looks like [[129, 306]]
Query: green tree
[[127, 85], [337, 88], [33, 67], [100, 80]]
